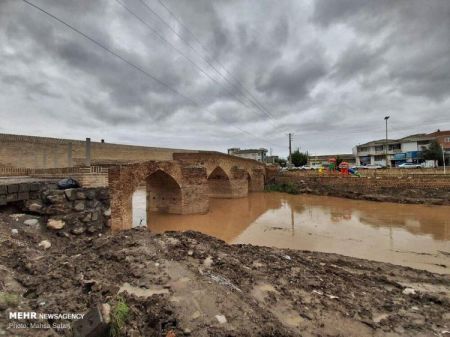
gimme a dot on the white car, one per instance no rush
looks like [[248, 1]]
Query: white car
[[410, 165], [369, 166]]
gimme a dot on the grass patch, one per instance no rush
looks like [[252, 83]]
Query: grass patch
[[119, 316], [284, 188], [9, 299]]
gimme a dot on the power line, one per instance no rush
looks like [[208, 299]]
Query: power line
[[129, 63], [254, 101], [154, 31]]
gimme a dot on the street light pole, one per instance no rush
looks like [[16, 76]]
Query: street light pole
[[443, 156], [386, 145]]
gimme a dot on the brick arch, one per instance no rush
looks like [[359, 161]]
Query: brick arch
[[219, 184], [162, 179], [163, 193], [233, 166]]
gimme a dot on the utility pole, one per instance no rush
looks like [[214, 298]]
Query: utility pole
[[386, 145], [290, 148], [443, 156]]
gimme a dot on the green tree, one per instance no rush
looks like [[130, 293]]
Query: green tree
[[299, 158], [434, 152], [338, 161]]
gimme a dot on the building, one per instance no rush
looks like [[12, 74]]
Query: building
[[393, 152], [255, 154], [443, 138], [322, 160], [272, 159]]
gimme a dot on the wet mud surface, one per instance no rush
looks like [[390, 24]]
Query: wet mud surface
[[190, 284]]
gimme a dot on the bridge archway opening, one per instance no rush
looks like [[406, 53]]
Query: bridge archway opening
[[249, 183], [163, 194], [139, 206], [219, 185]]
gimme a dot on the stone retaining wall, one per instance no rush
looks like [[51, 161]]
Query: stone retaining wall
[[14, 192], [72, 211]]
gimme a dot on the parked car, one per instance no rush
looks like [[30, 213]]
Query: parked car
[[410, 165], [369, 167]]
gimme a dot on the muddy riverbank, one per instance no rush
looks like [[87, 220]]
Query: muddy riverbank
[[297, 185], [190, 284]]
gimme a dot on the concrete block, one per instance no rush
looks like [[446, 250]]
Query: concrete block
[[2, 199], [23, 196], [34, 195], [24, 187], [13, 188], [11, 197], [3, 189], [35, 187]]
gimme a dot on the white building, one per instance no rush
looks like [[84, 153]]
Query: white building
[[255, 154], [396, 151]]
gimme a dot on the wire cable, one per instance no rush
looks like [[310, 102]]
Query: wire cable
[[129, 63], [253, 99]]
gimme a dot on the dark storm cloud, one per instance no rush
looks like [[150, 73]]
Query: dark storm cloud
[[293, 81], [414, 46], [311, 65], [357, 60]]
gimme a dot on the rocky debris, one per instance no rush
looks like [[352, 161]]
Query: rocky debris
[[221, 319], [55, 223], [14, 231], [408, 291], [245, 290], [45, 244], [31, 222]]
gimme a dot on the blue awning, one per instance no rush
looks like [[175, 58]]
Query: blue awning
[[400, 156]]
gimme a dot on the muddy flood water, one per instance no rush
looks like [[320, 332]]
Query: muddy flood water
[[417, 236]]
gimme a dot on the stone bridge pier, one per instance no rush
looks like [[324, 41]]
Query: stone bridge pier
[[171, 188], [227, 185]]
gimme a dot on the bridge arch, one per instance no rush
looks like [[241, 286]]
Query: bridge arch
[[163, 193], [171, 188], [219, 184]]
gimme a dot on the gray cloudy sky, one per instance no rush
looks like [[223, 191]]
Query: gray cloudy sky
[[328, 71]]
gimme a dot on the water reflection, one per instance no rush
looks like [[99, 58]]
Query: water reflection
[[411, 235]]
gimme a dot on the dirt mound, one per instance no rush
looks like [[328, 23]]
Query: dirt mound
[[178, 284]]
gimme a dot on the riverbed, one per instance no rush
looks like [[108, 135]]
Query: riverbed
[[417, 236]]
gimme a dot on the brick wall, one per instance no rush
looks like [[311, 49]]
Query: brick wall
[[367, 185], [41, 152]]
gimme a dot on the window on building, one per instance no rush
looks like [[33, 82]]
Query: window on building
[[363, 149], [395, 147], [447, 140], [380, 158], [379, 148]]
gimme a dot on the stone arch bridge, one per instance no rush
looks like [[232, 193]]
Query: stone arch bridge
[[182, 185]]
